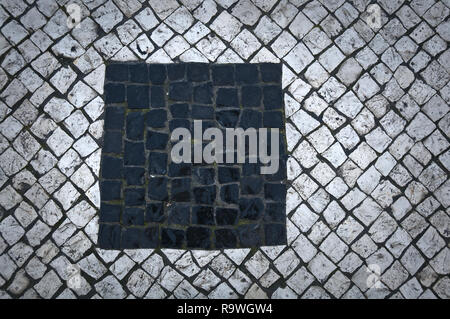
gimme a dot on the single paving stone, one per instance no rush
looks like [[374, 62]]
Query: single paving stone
[[251, 208], [272, 97], [156, 140], [251, 185], [114, 93], [202, 112], [203, 215], [134, 153], [134, 196], [157, 188], [180, 91], [226, 216], [48, 285], [430, 243], [110, 213], [251, 96], [135, 126], [394, 276], [227, 118], [250, 119], [179, 110], [198, 237], [155, 212], [273, 119], [227, 97], [110, 288], [205, 195], [230, 193], [157, 96], [249, 235], [225, 238], [204, 176], [111, 190], [179, 214], [138, 96], [112, 167], [11, 230], [172, 237], [180, 190], [275, 234]]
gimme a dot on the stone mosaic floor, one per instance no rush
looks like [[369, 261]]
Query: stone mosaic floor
[[368, 127]]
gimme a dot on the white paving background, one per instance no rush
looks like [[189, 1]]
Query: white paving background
[[367, 125]]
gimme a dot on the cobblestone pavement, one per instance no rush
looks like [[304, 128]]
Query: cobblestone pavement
[[368, 125], [151, 200]]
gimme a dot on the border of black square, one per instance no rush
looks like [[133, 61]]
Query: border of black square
[[138, 200]]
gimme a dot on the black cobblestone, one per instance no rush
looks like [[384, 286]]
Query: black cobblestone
[[112, 167], [137, 96], [114, 93], [112, 142], [148, 201], [157, 118], [155, 213], [135, 126]]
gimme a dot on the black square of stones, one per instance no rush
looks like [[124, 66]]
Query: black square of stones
[[150, 201]]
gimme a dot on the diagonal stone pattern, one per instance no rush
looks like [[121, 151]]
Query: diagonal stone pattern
[[366, 101]]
